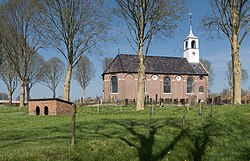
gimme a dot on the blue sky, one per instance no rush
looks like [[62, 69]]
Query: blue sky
[[217, 51]]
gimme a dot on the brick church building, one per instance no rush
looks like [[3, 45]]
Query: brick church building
[[171, 78]]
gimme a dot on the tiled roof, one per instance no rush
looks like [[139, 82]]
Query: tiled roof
[[126, 63]]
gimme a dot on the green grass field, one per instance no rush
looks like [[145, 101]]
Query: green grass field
[[113, 135]]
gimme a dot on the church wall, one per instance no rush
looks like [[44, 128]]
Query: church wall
[[127, 87], [130, 93]]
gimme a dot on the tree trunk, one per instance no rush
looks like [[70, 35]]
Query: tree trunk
[[66, 92], [141, 67], [84, 95], [53, 89], [54, 93], [141, 77], [235, 46], [236, 70], [27, 93], [10, 83], [236, 75], [21, 105], [10, 94]]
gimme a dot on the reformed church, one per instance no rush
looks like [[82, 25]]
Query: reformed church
[[167, 78]]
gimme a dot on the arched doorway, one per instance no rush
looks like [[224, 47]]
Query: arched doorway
[[37, 110], [46, 110]]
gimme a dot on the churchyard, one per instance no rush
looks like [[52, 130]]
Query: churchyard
[[120, 133]]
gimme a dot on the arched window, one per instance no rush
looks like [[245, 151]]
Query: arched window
[[46, 110], [186, 45], [190, 85], [201, 89], [193, 44], [37, 110], [167, 85], [114, 84]]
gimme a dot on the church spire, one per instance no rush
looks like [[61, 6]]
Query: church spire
[[190, 30], [191, 48]]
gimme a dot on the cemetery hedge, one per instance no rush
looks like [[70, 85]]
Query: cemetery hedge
[[123, 134]]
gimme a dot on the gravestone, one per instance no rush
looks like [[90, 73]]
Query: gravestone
[[126, 102], [176, 101], [161, 102]]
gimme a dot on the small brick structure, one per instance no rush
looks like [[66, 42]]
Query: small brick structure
[[50, 106]]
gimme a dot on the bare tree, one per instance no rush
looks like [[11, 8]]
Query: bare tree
[[83, 73], [208, 65], [75, 26], [53, 71], [106, 62], [9, 77], [148, 19], [232, 18], [22, 35], [34, 73]]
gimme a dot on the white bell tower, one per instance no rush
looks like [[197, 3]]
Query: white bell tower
[[191, 46]]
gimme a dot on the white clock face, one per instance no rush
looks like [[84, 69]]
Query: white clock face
[[154, 77], [178, 78]]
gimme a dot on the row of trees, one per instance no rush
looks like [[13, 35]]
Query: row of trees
[[72, 27], [47, 73]]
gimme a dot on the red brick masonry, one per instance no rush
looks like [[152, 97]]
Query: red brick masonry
[[49, 106], [127, 87]]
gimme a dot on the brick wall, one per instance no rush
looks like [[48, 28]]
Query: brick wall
[[127, 87], [55, 107], [63, 108]]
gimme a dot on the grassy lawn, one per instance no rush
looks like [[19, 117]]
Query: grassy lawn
[[113, 135]]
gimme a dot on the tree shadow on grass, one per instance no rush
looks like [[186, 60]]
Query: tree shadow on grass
[[146, 144], [146, 141], [202, 139], [245, 154], [200, 143]]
